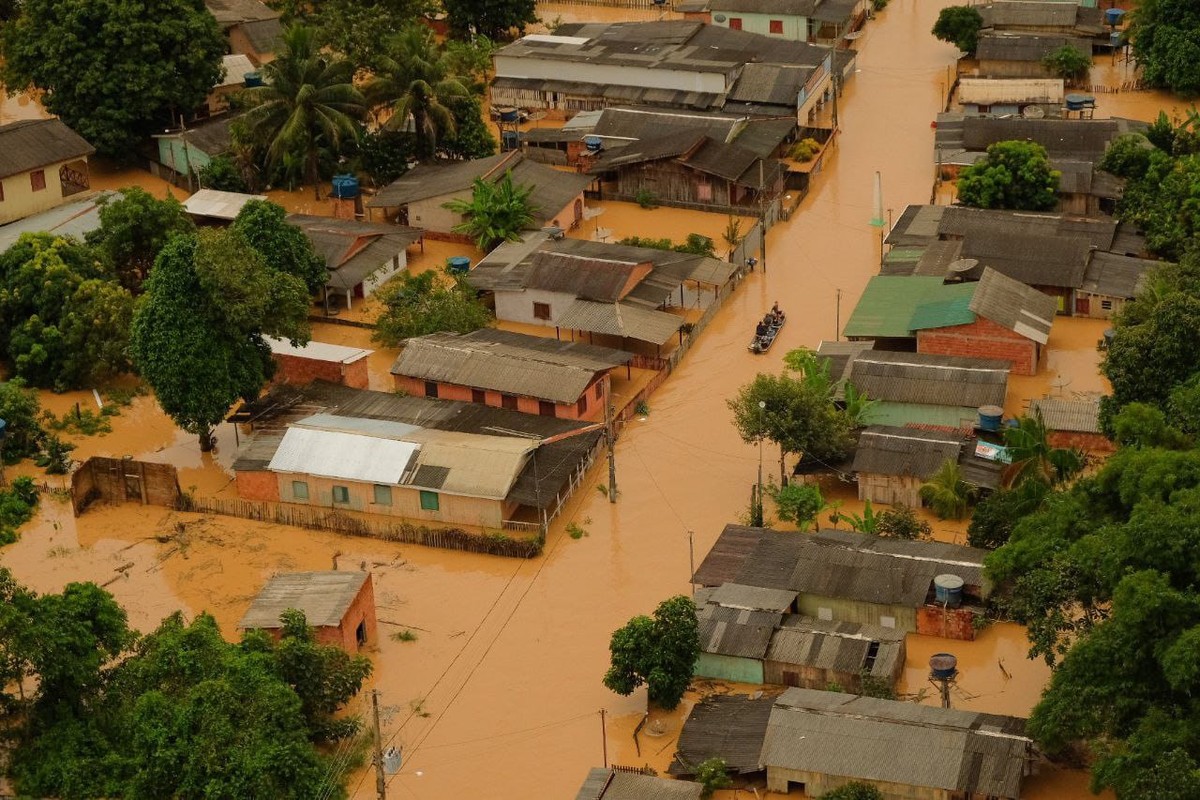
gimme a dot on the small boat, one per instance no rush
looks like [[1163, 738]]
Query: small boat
[[766, 331]]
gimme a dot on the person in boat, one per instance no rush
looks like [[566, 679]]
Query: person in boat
[[762, 328]]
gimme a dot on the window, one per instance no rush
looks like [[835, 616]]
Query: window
[[1, 191], [825, 613], [37, 179], [508, 401], [341, 494], [429, 501], [776, 26], [735, 23], [545, 409], [299, 490], [581, 406], [478, 396], [383, 495], [431, 389], [887, 622], [704, 192], [1106, 305], [541, 311]]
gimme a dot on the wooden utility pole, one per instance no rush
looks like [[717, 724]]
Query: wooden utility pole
[[762, 212], [610, 437], [692, 563], [380, 783], [604, 737]]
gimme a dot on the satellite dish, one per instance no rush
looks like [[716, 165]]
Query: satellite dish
[[1033, 112], [962, 266]]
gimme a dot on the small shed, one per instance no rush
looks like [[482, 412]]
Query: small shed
[[729, 727], [339, 605], [1111, 280], [621, 784], [1073, 422], [301, 365], [216, 207]]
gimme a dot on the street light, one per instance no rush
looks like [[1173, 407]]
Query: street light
[[762, 419]]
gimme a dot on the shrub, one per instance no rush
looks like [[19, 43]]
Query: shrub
[[712, 774], [646, 199]]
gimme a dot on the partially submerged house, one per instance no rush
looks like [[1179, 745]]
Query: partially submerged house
[[531, 374], [821, 21], [420, 195], [614, 784], [618, 296], [1044, 17], [430, 461], [817, 741], [1110, 281], [253, 28], [728, 727], [319, 361], [739, 641], [1020, 55], [681, 64], [891, 463], [187, 152], [993, 317], [846, 576], [235, 68], [360, 256], [42, 163], [1010, 96], [1073, 423], [339, 605]]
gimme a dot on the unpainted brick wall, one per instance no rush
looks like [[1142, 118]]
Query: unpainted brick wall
[[981, 339], [949, 623]]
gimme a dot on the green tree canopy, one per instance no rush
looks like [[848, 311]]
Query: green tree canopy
[[134, 227], [21, 412], [997, 514], [1068, 62], [1033, 457], [308, 104], [471, 138], [223, 174], [114, 70], [494, 19], [497, 212], [197, 335], [361, 29], [1014, 175], [959, 25], [855, 790], [901, 522], [946, 493], [283, 246], [1166, 42], [658, 651], [415, 305], [798, 503]]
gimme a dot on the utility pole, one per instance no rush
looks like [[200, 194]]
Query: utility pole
[[691, 563], [612, 458], [380, 783], [762, 212], [837, 318], [604, 737]]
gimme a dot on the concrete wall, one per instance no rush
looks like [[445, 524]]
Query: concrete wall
[[380, 276], [594, 407], [1093, 305], [948, 623], [20, 200], [611, 74], [430, 215], [123, 480], [302, 371], [518, 306], [982, 339], [729, 668], [840, 610], [795, 28]]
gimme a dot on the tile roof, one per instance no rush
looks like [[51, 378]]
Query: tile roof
[[513, 363], [609, 784], [923, 378], [324, 597], [32, 143], [896, 742]]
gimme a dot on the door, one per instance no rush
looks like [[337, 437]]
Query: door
[[1082, 306]]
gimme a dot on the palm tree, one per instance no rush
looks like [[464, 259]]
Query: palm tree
[[308, 101], [947, 493], [1034, 459], [414, 82], [497, 212]]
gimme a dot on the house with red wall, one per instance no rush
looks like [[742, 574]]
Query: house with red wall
[[319, 361], [531, 374], [339, 606]]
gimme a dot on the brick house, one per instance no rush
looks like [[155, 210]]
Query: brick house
[[339, 606], [1074, 423], [319, 361]]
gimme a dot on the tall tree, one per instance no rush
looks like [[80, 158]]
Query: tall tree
[[197, 334], [1034, 458], [1014, 175], [415, 305], [959, 25], [283, 246], [658, 651], [134, 227], [498, 211], [1166, 42], [1068, 62], [495, 19], [308, 102], [361, 29], [114, 70], [947, 493], [413, 84]]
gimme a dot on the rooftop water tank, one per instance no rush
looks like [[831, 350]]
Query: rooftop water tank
[[510, 115], [943, 666], [252, 79], [948, 589], [593, 143], [989, 418], [1113, 16], [1078, 102], [345, 187], [459, 264]]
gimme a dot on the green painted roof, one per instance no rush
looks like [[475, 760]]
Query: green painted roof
[[891, 303], [904, 255], [901, 414]]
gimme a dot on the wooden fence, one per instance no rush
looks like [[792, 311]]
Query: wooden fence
[[615, 4], [320, 519], [123, 480]]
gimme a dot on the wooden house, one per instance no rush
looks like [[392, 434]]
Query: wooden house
[[183, 154], [42, 163], [846, 576], [339, 606], [319, 361], [1045, 17], [891, 463], [531, 374]]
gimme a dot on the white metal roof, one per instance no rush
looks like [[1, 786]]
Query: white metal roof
[[336, 454], [318, 351], [218, 205], [233, 70]]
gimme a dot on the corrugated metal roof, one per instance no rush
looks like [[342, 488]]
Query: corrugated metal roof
[[840, 646], [380, 428], [734, 632], [229, 12], [1024, 47], [475, 466], [605, 280], [608, 784], [897, 742], [1005, 13], [944, 306], [1116, 275], [929, 379], [620, 319], [32, 143], [1013, 305], [76, 219], [233, 70], [917, 225], [354, 250], [347, 456], [752, 598], [318, 351], [1080, 415], [218, 205], [730, 727], [324, 597], [513, 363], [888, 450], [984, 91], [886, 306], [901, 414]]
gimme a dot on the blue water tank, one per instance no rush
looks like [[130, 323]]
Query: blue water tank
[[510, 115], [989, 418], [593, 143], [1078, 102], [947, 589], [1113, 16], [942, 666], [459, 264], [345, 187], [252, 79]]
